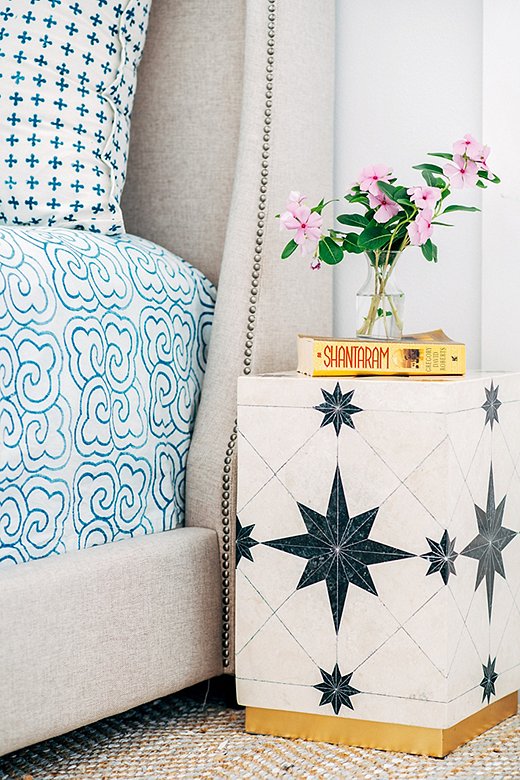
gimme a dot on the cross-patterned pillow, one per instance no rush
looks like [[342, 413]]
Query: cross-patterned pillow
[[67, 80]]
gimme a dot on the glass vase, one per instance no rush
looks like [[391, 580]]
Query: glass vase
[[380, 302]]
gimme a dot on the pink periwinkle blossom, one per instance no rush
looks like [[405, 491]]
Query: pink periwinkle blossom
[[424, 197], [471, 149], [482, 159], [386, 208], [369, 177], [468, 146], [306, 223], [296, 198], [462, 172], [420, 230], [294, 201]]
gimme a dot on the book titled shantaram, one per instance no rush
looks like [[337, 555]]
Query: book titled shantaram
[[419, 354]]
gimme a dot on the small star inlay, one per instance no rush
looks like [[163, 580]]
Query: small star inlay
[[489, 679], [244, 542], [442, 556], [492, 538], [491, 405], [336, 689], [337, 408]]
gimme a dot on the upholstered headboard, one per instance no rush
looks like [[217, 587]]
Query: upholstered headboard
[[185, 128], [234, 108]]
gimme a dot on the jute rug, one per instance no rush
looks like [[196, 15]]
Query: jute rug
[[191, 736]]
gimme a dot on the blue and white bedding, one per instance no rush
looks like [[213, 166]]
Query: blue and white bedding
[[103, 347]]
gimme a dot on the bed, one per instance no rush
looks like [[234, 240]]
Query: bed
[[220, 134]]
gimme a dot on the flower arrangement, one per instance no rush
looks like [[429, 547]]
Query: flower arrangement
[[393, 217]]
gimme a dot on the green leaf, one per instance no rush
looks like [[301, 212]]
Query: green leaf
[[321, 205], [428, 167], [355, 220], [455, 207], [289, 249], [491, 177], [329, 251], [445, 155], [390, 190], [481, 185], [429, 251], [357, 198], [407, 205], [377, 242], [444, 224], [402, 192], [350, 243], [432, 180]]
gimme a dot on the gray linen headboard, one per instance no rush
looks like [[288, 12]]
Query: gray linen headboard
[[234, 108]]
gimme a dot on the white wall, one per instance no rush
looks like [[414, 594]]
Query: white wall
[[409, 81], [501, 210]]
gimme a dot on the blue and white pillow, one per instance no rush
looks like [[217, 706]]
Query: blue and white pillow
[[67, 81], [103, 347]]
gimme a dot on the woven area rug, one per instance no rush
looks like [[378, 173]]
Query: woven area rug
[[194, 735]]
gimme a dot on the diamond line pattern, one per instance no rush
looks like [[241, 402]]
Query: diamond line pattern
[[440, 559]]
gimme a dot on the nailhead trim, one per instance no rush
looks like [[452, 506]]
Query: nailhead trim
[[251, 321]]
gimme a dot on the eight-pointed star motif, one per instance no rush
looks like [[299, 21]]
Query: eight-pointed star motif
[[491, 404], [336, 689], [337, 408], [487, 546], [442, 556], [489, 679], [337, 549], [244, 542]]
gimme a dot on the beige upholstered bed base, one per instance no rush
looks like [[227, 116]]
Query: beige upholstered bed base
[[105, 629]]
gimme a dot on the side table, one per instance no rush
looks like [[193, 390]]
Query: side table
[[378, 564]]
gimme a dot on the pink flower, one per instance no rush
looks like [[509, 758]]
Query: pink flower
[[307, 225], [369, 177], [421, 228], [482, 159], [315, 264], [296, 197], [386, 208], [461, 172], [294, 201], [424, 197], [468, 146]]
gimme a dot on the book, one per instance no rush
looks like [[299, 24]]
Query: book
[[419, 354]]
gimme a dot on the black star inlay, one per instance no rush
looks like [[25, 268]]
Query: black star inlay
[[336, 689], [338, 549], [337, 408], [491, 405], [244, 542], [489, 679], [487, 546], [441, 556]]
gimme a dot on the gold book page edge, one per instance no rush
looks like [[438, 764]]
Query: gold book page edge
[[396, 737]]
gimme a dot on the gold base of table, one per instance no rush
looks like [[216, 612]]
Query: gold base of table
[[381, 736]]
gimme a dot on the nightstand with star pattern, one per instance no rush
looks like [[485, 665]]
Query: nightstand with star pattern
[[378, 558]]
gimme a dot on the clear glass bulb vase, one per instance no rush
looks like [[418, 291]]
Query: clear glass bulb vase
[[380, 302]]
